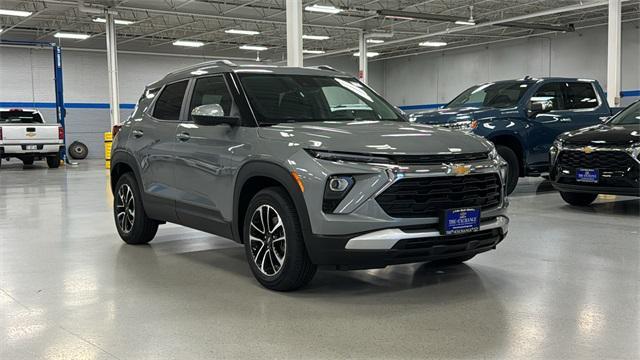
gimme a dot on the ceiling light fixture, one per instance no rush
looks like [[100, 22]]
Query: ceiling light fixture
[[471, 21], [253, 47], [327, 9], [375, 41], [242, 32], [316, 37], [66, 35], [188, 43], [369, 54], [15, 13], [117, 21], [313, 52], [433, 43]]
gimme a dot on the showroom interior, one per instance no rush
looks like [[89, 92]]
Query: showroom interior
[[110, 249]]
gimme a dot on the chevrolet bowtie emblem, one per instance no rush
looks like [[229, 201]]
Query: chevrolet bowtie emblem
[[460, 169], [31, 134], [588, 149]]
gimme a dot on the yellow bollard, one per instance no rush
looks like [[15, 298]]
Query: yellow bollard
[[108, 138]]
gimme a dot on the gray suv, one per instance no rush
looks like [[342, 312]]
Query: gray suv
[[306, 167]]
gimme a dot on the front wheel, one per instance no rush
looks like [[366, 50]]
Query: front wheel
[[578, 199], [274, 243], [513, 169], [132, 222], [451, 261]]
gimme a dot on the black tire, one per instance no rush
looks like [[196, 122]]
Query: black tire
[[53, 161], [578, 199], [141, 229], [78, 150], [513, 172], [27, 161], [451, 261], [295, 269]]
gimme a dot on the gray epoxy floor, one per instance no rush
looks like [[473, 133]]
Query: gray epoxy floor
[[564, 285]]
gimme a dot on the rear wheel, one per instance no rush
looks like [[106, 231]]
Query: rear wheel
[[513, 171], [578, 199], [53, 161], [132, 222], [274, 242], [27, 161]]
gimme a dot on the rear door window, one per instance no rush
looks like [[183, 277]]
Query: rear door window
[[169, 103], [580, 95]]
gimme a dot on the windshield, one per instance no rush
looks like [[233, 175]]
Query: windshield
[[302, 98], [628, 116], [498, 95], [20, 117]]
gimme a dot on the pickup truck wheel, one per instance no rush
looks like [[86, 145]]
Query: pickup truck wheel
[[27, 161], [578, 199], [274, 242], [53, 161], [133, 225], [513, 171]]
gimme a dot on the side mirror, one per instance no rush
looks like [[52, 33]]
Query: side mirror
[[538, 107], [211, 115]]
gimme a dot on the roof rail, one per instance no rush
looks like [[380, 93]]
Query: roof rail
[[324, 67], [206, 63]]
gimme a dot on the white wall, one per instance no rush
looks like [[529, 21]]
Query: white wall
[[439, 76]]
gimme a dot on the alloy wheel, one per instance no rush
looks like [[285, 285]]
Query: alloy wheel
[[267, 240], [125, 208]]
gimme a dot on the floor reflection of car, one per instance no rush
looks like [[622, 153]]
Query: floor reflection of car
[[601, 159]]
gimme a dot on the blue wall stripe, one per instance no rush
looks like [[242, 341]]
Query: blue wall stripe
[[51, 105]]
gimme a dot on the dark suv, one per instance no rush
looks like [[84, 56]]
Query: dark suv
[[305, 167]]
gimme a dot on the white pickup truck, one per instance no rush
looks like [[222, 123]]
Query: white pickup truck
[[24, 135]]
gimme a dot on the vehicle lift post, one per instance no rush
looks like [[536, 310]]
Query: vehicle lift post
[[61, 112]]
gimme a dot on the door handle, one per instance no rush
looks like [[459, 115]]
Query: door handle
[[183, 136], [565, 119], [137, 133]]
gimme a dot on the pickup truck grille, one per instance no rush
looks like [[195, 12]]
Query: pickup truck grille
[[429, 196], [603, 160], [437, 159]]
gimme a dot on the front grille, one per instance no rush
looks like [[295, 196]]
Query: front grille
[[447, 245], [429, 196], [438, 158], [603, 160]]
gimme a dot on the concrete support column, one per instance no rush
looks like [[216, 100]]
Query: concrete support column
[[112, 69], [614, 61], [363, 68], [294, 33]]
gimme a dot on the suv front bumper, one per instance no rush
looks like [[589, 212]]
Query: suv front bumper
[[392, 246]]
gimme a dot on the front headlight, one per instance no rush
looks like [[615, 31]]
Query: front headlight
[[349, 157], [466, 125]]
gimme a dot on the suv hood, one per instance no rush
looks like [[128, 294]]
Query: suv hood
[[453, 115], [379, 137], [603, 135]]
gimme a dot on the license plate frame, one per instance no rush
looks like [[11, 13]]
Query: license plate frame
[[31, 147], [460, 221], [589, 176]]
